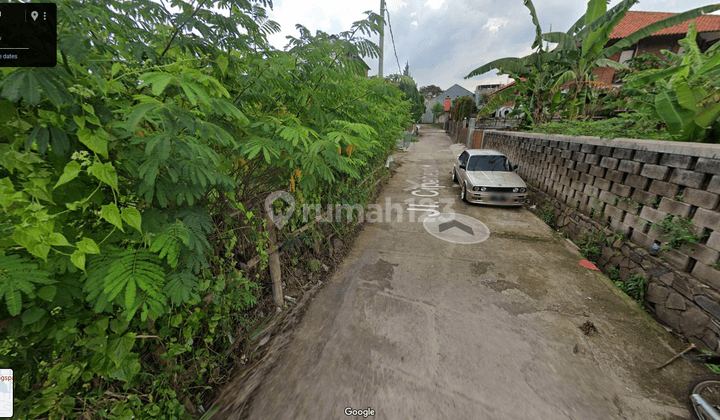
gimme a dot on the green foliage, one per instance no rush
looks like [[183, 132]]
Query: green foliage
[[639, 63], [590, 245], [462, 108], [430, 91], [437, 109], [622, 126], [410, 93], [560, 82], [119, 167], [713, 368], [547, 214], [613, 273], [683, 96], [678, 231], [635, 286]]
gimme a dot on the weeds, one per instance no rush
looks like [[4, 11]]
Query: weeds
[[589, 245], [635, 286], [678, 231], [547, 214], [613, 273]]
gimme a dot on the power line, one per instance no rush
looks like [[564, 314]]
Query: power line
[[393, 42]]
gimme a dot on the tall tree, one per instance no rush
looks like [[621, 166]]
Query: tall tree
[[430, 91], [410, 93]]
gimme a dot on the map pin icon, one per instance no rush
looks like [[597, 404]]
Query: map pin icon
[[34, 15]]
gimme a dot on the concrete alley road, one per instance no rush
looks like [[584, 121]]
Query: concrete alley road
[[413, 326]]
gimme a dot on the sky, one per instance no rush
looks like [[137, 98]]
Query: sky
[[444, 40]]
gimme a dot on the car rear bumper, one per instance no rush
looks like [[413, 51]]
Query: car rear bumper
[[497, 198]]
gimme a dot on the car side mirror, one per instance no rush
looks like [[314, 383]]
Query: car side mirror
[[514, 167], [462, 165]]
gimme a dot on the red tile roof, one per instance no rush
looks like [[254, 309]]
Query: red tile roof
[[634, 21]]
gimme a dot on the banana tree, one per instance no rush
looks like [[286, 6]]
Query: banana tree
[[687, 95], [534, 76], [580, 50], [585, 47]]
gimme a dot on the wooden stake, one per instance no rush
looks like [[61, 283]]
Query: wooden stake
[[274, 264], [672, 359]]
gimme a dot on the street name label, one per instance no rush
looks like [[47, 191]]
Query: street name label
[[456, 228]]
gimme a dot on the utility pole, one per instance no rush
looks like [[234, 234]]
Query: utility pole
[[382, 39]]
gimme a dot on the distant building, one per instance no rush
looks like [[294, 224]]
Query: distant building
[[503, 110], [455, 91], [708, 27], [481, 90]]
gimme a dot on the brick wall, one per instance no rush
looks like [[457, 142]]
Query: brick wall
[[626, 185]]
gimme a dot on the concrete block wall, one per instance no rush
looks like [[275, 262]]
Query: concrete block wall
[[628, 186]]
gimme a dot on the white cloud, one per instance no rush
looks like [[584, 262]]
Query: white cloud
[[434, 4], [494, 24], [395, 5], [414, 23]]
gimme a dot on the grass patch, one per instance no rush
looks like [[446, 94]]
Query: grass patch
[[635, 286], [622, 126]]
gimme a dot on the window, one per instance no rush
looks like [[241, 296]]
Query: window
[[463, 158], [488, 163], [625, 56]]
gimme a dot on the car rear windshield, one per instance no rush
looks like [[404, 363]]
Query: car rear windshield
[[488, 163]]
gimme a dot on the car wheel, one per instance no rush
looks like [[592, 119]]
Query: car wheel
[[454, 176], [463, 193]]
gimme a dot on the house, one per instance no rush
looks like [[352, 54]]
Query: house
[[503, 110], [708, 27], [489, 87], [455, 91], [486, 89]]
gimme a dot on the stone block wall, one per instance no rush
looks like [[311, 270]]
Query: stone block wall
[[628, 186]]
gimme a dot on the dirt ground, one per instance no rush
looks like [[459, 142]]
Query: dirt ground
[[492, 320]]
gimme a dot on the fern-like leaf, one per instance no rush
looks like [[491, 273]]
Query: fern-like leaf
[[199, 226], [18, 275], [169, 243], [181, 287], [132, 270]]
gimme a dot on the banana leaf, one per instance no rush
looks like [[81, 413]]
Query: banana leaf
[[606, 62], [564, 41], [714, 61], [538, 30], [598, 39], [507, 64], [708, 115], [653, 77], [675, 116], [687, 97], [564, 78], [505, 95]]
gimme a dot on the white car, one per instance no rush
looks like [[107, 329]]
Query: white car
[[487, 177]]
